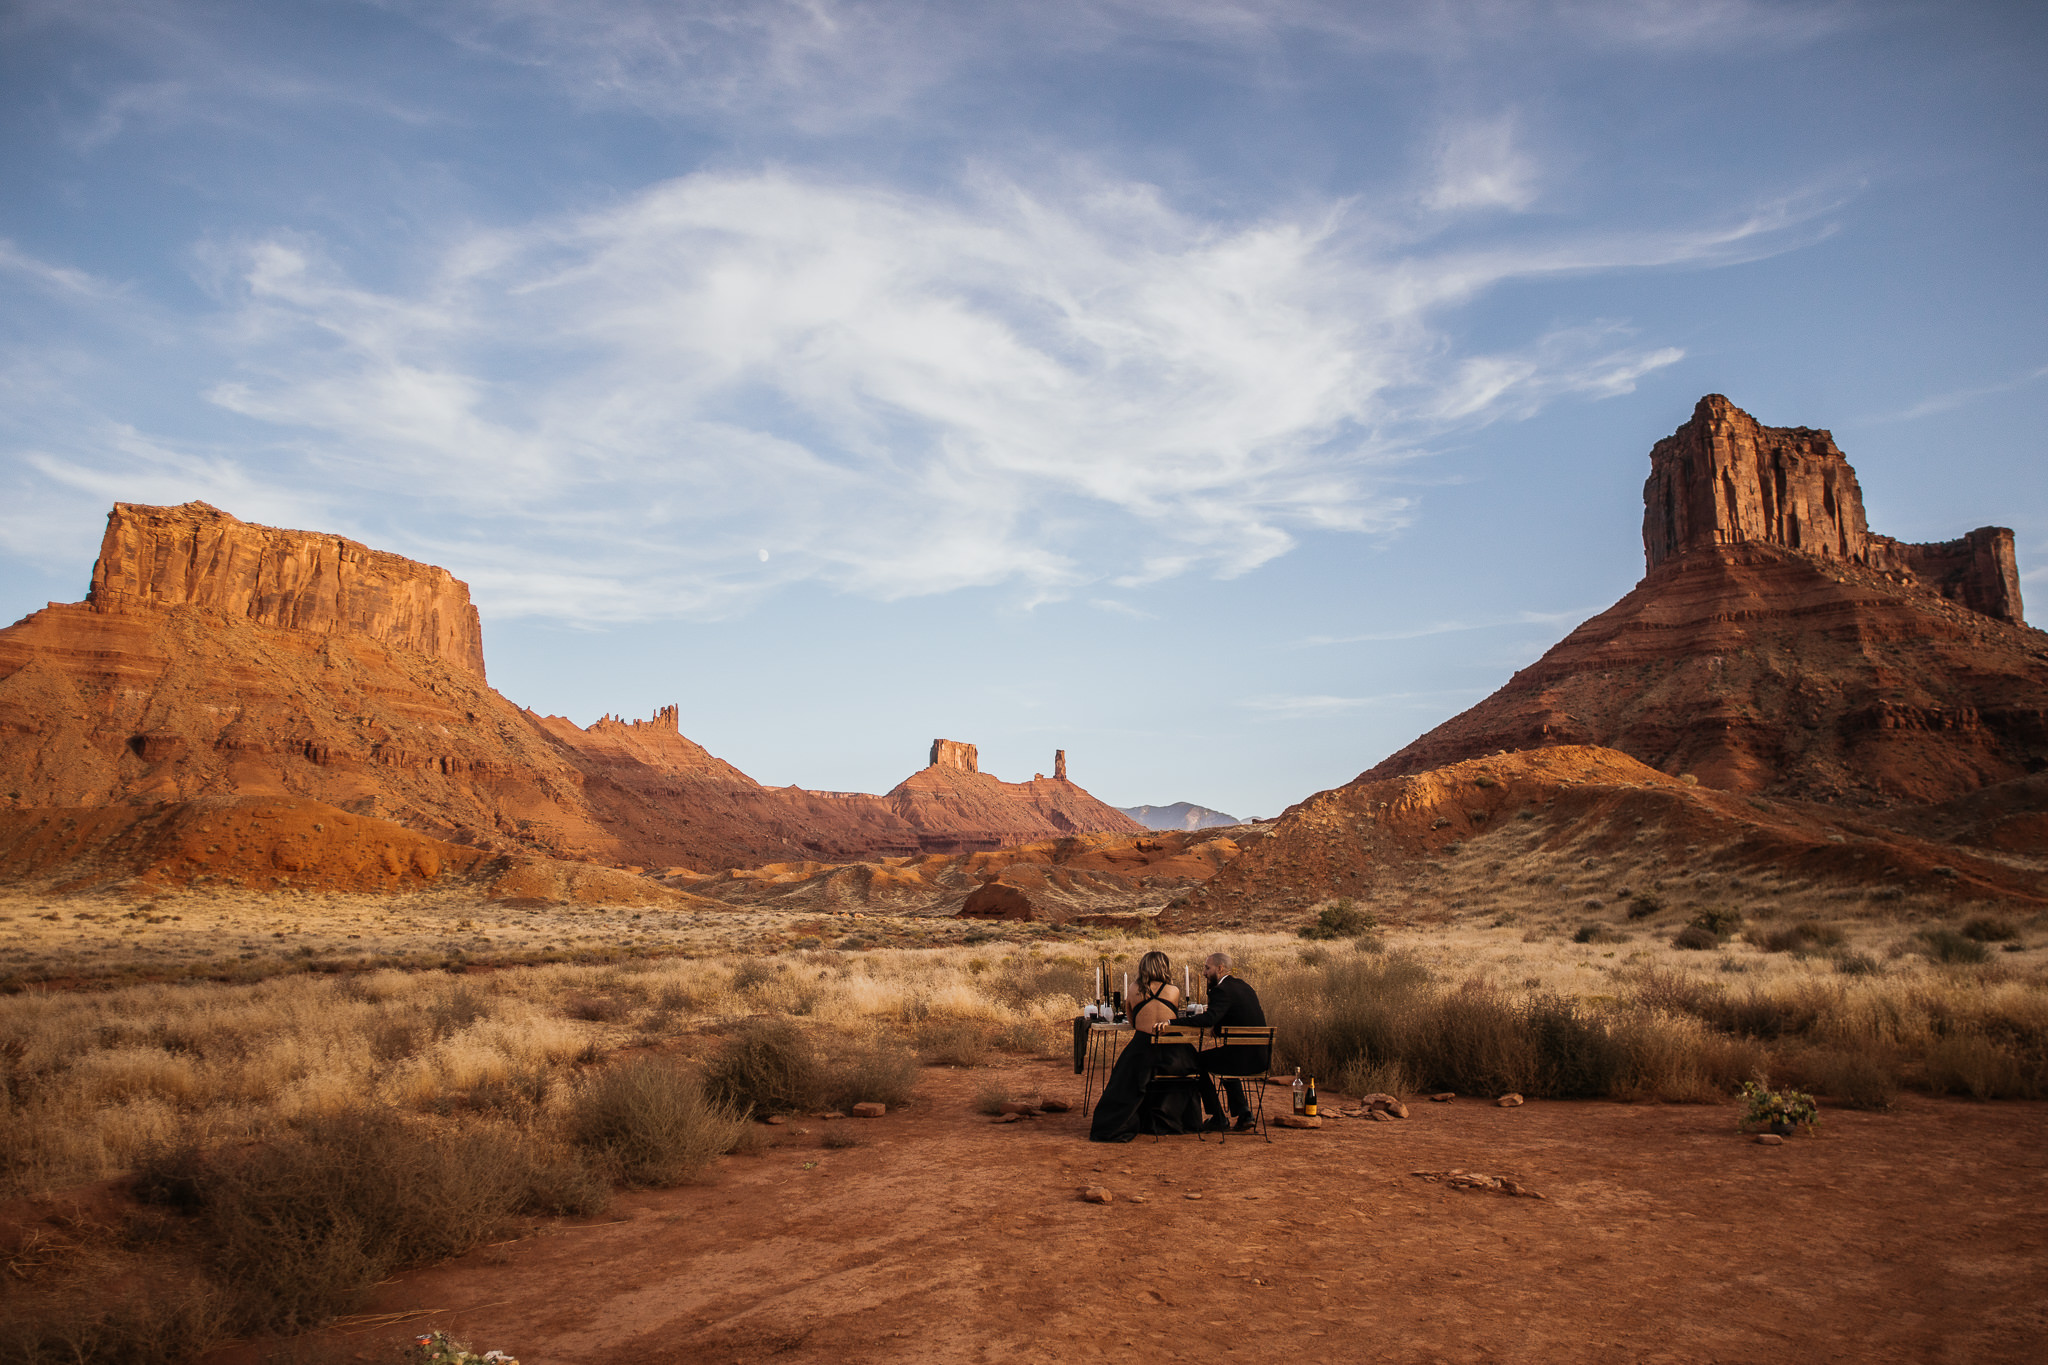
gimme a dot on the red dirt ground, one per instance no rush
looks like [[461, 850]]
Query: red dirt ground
[[1663, 1236]]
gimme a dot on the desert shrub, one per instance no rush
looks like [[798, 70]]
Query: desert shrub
[[1025, 1035], [1852, 1079], [1973, 1065], [1340, 919], [1644, 904], [166, 1323], [594, 1009], [1807, 936], [754, 972], [1022, 980], [1389, 1076], [1722, 924], [1693, 937], [1475, 1040], [1576, 1056], [953, 1042], [991, 1097], [839, 1137], [1856, 964], [1990, 929], [456, 1010], [301, 1225], [650, 1122], [1674, 992], [767, 1066], [1598, 933], [881, 1073], [1946, 945], [1759, 1013]]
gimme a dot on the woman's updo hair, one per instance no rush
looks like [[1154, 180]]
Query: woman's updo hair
[[1154, 966]]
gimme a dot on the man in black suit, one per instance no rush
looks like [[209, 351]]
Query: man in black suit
[[1233, 1004]]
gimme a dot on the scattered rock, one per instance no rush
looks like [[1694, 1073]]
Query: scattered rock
[[776, 1120], [1192, 1194], [1445, 1098], [832, 1114], [1009, 1118], [1770, 1140], [1473, 1180], [1379, 1116], [1056, 1106], [1021, 1108], [869, 1109], [1508, 1101], [1297, 1121], [1096, 1194], [1137, 1199]]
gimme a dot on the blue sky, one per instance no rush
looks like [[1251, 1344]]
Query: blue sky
[[1223, 391]]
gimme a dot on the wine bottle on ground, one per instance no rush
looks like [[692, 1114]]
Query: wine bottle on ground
[[1310, 1099], [1300, 1097]]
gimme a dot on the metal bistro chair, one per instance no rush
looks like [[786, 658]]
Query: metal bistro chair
[[1249, 1035]]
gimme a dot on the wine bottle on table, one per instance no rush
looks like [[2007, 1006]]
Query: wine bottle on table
[[1300, 1096], [1309, 1100]]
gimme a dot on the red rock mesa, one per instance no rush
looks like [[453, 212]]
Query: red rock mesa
[[215, 658], [1776, 644]]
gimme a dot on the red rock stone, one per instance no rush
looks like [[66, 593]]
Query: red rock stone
[[869, 1109]]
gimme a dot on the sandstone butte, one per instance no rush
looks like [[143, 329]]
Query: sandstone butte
[[1776, 645], [217, 661]]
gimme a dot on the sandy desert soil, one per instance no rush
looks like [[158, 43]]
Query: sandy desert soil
[[1662, 1236]]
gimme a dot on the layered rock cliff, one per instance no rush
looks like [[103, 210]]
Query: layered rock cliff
[[1778, 645], [1724, 478], [196, 555], [215, 658]]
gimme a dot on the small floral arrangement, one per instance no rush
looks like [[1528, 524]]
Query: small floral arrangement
[[1777, 1110], [436, 1349]]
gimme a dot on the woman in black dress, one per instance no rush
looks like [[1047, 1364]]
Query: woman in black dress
[[1121, 1112]]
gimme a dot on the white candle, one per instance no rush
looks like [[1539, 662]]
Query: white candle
[[1127, 985], [1098, 981], [1187, 981]]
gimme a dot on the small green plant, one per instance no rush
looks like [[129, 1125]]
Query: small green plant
[[1644, 904], [1692, 936], [1340, 919], [436, 1349], [1780, 1111], [1802, 938], [1597, 933], [1720, 923]]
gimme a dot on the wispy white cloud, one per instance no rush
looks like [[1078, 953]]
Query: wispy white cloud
[[1479, 166], [1956, 398], [902, 394], [58, 279]]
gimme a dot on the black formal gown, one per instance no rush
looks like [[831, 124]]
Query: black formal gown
[[1129, 1105]]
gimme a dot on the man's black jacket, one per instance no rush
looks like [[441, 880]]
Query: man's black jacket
[[1233, 1004]]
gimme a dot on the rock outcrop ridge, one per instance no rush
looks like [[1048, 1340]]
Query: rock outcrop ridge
[[196, 555], [1777, 645], [1724, 478], [215, 659]]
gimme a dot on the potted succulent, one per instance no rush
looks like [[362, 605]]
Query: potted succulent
[[1783, 1112]]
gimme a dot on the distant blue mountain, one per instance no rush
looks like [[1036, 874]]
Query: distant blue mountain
[[1179, 815]]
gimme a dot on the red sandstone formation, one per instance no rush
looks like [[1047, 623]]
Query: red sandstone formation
[[218, 659], [1726, 479], [1777, 645], [1596, 807], [199, 556]]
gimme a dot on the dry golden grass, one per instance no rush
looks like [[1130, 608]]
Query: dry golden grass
[[95, 1079]]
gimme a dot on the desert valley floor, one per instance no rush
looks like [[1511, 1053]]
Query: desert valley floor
[[1662, 1235]]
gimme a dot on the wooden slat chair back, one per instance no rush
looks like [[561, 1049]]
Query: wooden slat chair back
[[1250, 1035], [1190, 1079]]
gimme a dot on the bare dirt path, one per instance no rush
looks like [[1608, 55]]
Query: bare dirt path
[[1663, 1236]]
